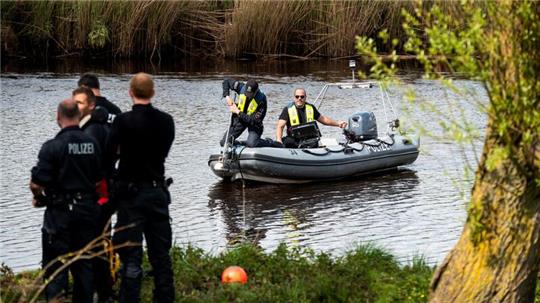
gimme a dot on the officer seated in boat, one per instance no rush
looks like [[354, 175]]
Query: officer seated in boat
[[299, 114]]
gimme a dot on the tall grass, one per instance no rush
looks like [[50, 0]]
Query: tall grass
[[155, 28]]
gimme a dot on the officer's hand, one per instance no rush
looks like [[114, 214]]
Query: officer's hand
[[234, 109], [229, 101], [342, 124], [36, 203]]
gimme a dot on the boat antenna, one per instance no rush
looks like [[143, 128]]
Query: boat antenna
[[352, 66], [392, 124], [343, 85]]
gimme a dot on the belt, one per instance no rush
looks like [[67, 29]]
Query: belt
[[61, 200], [147, 183]]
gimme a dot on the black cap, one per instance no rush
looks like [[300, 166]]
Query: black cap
[[251, 88]]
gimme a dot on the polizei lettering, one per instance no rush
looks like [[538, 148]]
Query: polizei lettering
[[81, 148], [379, 148]]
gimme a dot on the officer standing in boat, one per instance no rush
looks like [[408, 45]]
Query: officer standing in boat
[[248, 113], [64, 180], [94, 123], [298, 113], [91, 81], [141, 139]]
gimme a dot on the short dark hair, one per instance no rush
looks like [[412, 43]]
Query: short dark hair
[[69, 109], [89, 80], [88, 92]]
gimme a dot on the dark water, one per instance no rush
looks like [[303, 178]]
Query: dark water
[[418, 210]]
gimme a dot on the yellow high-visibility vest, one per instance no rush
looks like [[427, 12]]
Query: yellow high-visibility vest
[[252, 105], [293, 114]]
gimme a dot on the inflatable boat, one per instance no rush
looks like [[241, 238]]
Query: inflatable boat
[[361, 151], [337, 161]]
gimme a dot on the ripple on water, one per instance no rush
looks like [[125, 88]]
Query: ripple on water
[[415, 211]]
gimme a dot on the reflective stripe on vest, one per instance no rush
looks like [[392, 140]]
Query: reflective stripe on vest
[[252, 105], [293, 114]]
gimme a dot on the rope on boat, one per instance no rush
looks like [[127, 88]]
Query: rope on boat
[[379, 142], [347, 147], [239, 166]]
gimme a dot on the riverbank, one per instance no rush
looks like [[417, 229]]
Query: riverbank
[[156, 30], [364, 274], [285, 275]]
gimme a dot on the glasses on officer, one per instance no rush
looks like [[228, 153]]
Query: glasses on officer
[[300, 96]]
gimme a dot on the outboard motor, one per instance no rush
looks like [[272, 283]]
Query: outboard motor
[[362, 126]]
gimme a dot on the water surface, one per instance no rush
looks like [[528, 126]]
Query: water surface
[[418, 210]]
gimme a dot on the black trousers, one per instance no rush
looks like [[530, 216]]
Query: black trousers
[[67, 229], [147, 208], [290, 142], [254, 135]]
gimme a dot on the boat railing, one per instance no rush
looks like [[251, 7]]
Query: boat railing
[[392, 123]]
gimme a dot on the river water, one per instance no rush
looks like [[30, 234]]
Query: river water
[[416, 211]]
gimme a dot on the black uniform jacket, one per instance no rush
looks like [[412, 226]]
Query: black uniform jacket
[[99, 130], [69, 163], [141, 139], [109, 106], [256, 119]]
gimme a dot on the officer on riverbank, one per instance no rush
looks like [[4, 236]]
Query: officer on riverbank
[[141, 139], [248, 113], [64, 180], [94, 123], [91, 81], [300, 112]]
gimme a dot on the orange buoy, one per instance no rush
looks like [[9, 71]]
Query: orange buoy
[[234, 274]]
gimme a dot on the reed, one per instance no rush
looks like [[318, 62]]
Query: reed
[[239, 28]]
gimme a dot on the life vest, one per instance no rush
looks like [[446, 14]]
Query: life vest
[[252, 104], [294, 119]]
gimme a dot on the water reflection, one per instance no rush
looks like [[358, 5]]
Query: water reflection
[[197, 68], [249, 212]]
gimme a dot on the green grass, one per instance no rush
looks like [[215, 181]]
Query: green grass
[[364, 274]]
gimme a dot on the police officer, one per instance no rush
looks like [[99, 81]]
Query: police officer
[[143, 137], [91, 81], [64, 180], [248, 113], [94, 123], [297, 113], [93, 117]]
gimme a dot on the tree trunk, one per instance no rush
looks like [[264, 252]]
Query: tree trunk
[[497, 257]]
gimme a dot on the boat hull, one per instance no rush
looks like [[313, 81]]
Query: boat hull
[[284, 165]]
